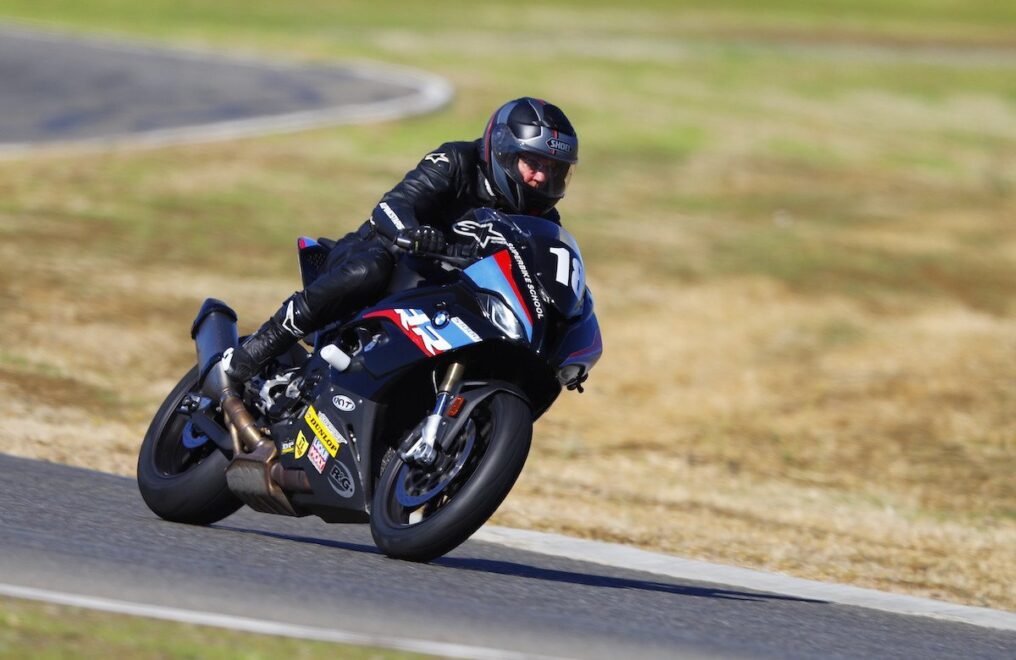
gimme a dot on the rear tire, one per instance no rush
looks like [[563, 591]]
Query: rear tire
[[181, 485], [504, 427]]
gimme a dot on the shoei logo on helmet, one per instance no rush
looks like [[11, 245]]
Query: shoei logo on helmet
[[554, 143]]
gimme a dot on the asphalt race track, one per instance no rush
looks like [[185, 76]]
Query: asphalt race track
[[60, 89], [72, 530]]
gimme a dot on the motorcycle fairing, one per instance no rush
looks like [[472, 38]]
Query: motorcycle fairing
[[404, 347], [582, 343], [494, 273], [434, 335], [338, 488], [558, 261]]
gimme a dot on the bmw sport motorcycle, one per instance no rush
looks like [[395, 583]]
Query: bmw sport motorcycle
[[414, 415]]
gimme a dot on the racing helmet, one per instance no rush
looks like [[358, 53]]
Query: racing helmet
[[539, 134]]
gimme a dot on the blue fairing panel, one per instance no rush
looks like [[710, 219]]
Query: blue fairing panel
[[494, 274], [582, 344]]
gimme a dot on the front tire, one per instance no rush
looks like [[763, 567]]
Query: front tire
[[503, 427], [180, 484]]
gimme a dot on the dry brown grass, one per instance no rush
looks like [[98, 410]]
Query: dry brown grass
[[732, 420]]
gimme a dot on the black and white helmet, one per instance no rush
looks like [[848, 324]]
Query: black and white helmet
[[539, 134]]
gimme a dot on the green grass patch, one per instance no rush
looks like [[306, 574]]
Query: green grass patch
[[37, 630]]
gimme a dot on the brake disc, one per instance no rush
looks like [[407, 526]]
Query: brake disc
[[415, 486]]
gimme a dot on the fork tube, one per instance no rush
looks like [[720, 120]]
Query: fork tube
[[452, 378], [446, 394]]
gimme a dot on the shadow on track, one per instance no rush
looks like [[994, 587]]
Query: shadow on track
[[328, 543], [514, 569], [553, 575]]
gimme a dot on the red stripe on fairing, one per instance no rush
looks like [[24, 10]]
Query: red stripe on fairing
[[504, 262], [394, 317]]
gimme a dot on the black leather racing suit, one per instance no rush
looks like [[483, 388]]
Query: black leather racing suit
[[444, 186]]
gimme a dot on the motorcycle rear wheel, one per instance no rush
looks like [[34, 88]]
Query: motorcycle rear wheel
[[503, 429], [180, 484]]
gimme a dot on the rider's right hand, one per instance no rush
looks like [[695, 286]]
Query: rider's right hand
[[421, 240]]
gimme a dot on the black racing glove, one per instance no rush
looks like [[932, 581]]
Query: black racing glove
[[421, 240]]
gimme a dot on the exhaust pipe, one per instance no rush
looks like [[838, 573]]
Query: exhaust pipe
[[255, 457], [214, 332]]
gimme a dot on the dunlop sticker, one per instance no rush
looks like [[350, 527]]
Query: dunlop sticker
[[301, 445], [324, 430]]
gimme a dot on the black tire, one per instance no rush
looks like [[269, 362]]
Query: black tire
[[187, 486], [504, 429]]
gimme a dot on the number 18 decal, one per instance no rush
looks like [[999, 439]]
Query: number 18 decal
[[568, 265]]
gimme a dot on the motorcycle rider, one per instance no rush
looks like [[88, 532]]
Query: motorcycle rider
[[522, 164]]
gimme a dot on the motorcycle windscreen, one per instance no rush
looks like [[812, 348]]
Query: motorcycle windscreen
[[557, 263]]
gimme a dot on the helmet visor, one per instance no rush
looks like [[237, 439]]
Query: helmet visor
[[539, 173]]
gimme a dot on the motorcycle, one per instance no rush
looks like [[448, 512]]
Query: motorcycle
[[414, 415]]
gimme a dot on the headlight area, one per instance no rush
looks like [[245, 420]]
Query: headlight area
[[501, 315]]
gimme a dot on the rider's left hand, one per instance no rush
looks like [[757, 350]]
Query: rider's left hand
[[421, 240]]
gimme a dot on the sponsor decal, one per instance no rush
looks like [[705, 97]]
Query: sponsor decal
[[324, 430], [301, 445], [340, 479], [416, 324], [482, 233], [288, 447], [428, 337], [317, 456], [466, 330], [437, 158], [343, 403], [391, 215], [534, 296], [554, 143]]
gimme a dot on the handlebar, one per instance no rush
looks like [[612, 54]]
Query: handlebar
[[406, 245]]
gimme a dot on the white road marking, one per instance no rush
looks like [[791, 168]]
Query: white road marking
[[259, 626], [622, 556]]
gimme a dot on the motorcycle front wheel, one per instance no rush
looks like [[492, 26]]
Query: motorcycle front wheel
[[419, 515], [180, 483]]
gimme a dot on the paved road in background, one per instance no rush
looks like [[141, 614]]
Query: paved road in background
[[55, 88], [84, 532]]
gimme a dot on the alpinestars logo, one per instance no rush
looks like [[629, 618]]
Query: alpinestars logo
[[289, 323], [437, 158], [484, 234]]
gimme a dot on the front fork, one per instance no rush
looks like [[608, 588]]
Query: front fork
[[423, 451]]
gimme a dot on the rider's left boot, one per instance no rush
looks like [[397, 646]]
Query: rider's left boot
[[286, 327]]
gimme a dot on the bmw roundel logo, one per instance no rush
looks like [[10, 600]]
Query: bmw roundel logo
[[441, 319]]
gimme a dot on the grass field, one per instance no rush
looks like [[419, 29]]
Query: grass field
[[41, 631], [799, 224]]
